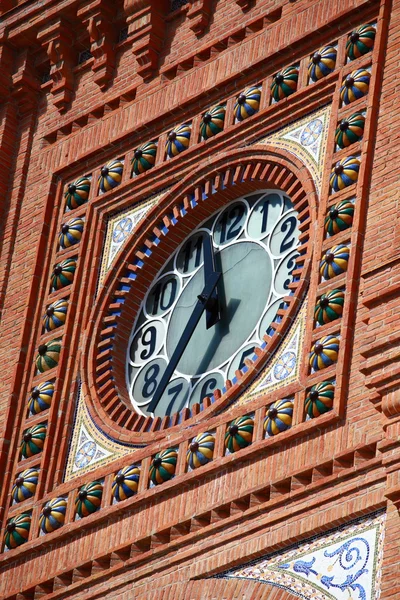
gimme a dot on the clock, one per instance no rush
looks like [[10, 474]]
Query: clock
[[212, 303]]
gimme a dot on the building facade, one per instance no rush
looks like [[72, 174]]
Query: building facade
[[199, 278]]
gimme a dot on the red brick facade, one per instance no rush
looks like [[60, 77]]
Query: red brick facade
[[86, 82]]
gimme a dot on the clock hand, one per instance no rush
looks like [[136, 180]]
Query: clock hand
[[198, 310], [213, 313]]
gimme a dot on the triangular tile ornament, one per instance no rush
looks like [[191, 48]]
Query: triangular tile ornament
[[306, 139], [90, 447], [283, 368], [121, 227], [341, 565]]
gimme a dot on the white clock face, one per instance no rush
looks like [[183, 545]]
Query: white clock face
[[253, 241]]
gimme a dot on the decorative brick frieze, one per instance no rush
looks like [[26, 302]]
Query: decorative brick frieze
[[199, 14], [146, 26], [98, 17], [58, 39]]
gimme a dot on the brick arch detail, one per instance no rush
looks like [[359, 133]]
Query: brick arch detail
[[225, 178], [209, 589]]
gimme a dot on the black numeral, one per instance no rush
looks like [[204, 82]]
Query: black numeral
[[228, 233], [148, 340], [290, 225], [174, 392], [189, 249], [207, 388], [164, 295], [150, 381], [245, 354]]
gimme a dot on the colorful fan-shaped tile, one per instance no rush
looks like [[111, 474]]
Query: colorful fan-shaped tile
[[284, 83], [25, 485], [239, 434], [324, 352], [360, 41], [88, 499], [355, 86], [350, 130], [71, 233], [163, 466], [48, 357], [247, 103], [178, 140], [144, 158], [279, 417], [334, 262], [126, 483], [77, 193], [17, 531], [344, 173], [339, 217], [212, 122], [40, 398], [319, 399], [110, 175], [329, 307], [53, 515], [322, 63], [33, 440], [55, 315], [63, 274], [200, 451]]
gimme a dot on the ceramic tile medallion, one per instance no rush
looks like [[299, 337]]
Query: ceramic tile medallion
[[120, 228], [307, 140], [284, 366], [90, 448], [344, 564]]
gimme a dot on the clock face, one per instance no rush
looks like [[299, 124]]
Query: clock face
[[188, 339]]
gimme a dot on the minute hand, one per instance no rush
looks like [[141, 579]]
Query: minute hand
[[213, 314], [198, 310]]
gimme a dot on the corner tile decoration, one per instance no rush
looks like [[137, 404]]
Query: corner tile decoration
[[71, 233], [279, 417], [55, 315], [239, 434], [120, 227], [360, 41], [322, 63], [125, 483], [17, 531], [247, 103], [344, 173], [343, 564], [53, 515], [324, 352], [88, 499], [212, 122], [319, 399], [63, 274], [329, 307], [339, 217], [40, 398], [110, 175], [178, 140], [355, 86], [90, 448], [334, 262], [25, 485], [201, 450], [306, 139], [350, 130], [144, 158], [77, 193], [48, 356], [163, 466], [284, 83], [33, 440]]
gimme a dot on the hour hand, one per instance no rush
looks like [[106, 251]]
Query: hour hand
[[213, 313]]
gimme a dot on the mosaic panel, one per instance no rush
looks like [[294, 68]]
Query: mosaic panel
[[306, 139], [284, 367], [344, 564]]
